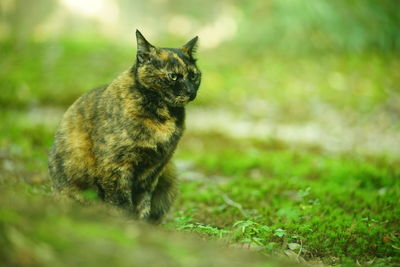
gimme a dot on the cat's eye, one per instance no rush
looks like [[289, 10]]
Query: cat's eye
[[193, 77], [173, 76]]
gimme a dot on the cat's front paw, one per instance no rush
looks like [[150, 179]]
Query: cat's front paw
[[143, 207]]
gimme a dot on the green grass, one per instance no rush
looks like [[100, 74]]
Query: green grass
[[273, 198], [54, 73], [342, 206]]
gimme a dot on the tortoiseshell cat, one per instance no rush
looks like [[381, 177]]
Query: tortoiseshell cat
[[118, 139]]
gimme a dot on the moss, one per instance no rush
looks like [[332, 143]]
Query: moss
[[346, 210]]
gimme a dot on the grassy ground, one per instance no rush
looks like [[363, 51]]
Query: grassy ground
[[274, 197]]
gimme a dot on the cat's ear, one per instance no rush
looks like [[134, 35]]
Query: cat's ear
[[144, 48], [190, 47]]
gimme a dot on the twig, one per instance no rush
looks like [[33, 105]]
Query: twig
[[234, 204], [301, 248]]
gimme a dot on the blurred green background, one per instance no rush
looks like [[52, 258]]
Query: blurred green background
[[294, 137]]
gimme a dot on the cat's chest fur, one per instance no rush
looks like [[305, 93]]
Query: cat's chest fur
[[150, 138], [156, 141], [163, 128], [160, 132]]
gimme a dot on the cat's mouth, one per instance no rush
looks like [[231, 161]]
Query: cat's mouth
[[179, 100], [182, 100]]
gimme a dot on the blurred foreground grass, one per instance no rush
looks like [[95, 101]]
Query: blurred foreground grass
[[37, 231], [275, 197]]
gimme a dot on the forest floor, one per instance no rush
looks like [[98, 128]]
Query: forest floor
[[266, 181]]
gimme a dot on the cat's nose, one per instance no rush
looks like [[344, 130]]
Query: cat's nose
[[192, 96], [191, 91]]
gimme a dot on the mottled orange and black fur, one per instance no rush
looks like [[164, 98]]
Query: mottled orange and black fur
[[119, 139]]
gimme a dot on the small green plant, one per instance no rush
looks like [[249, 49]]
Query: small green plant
[[251, 232], [185, 223]]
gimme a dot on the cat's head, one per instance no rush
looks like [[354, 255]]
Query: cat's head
[[171, 72]]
